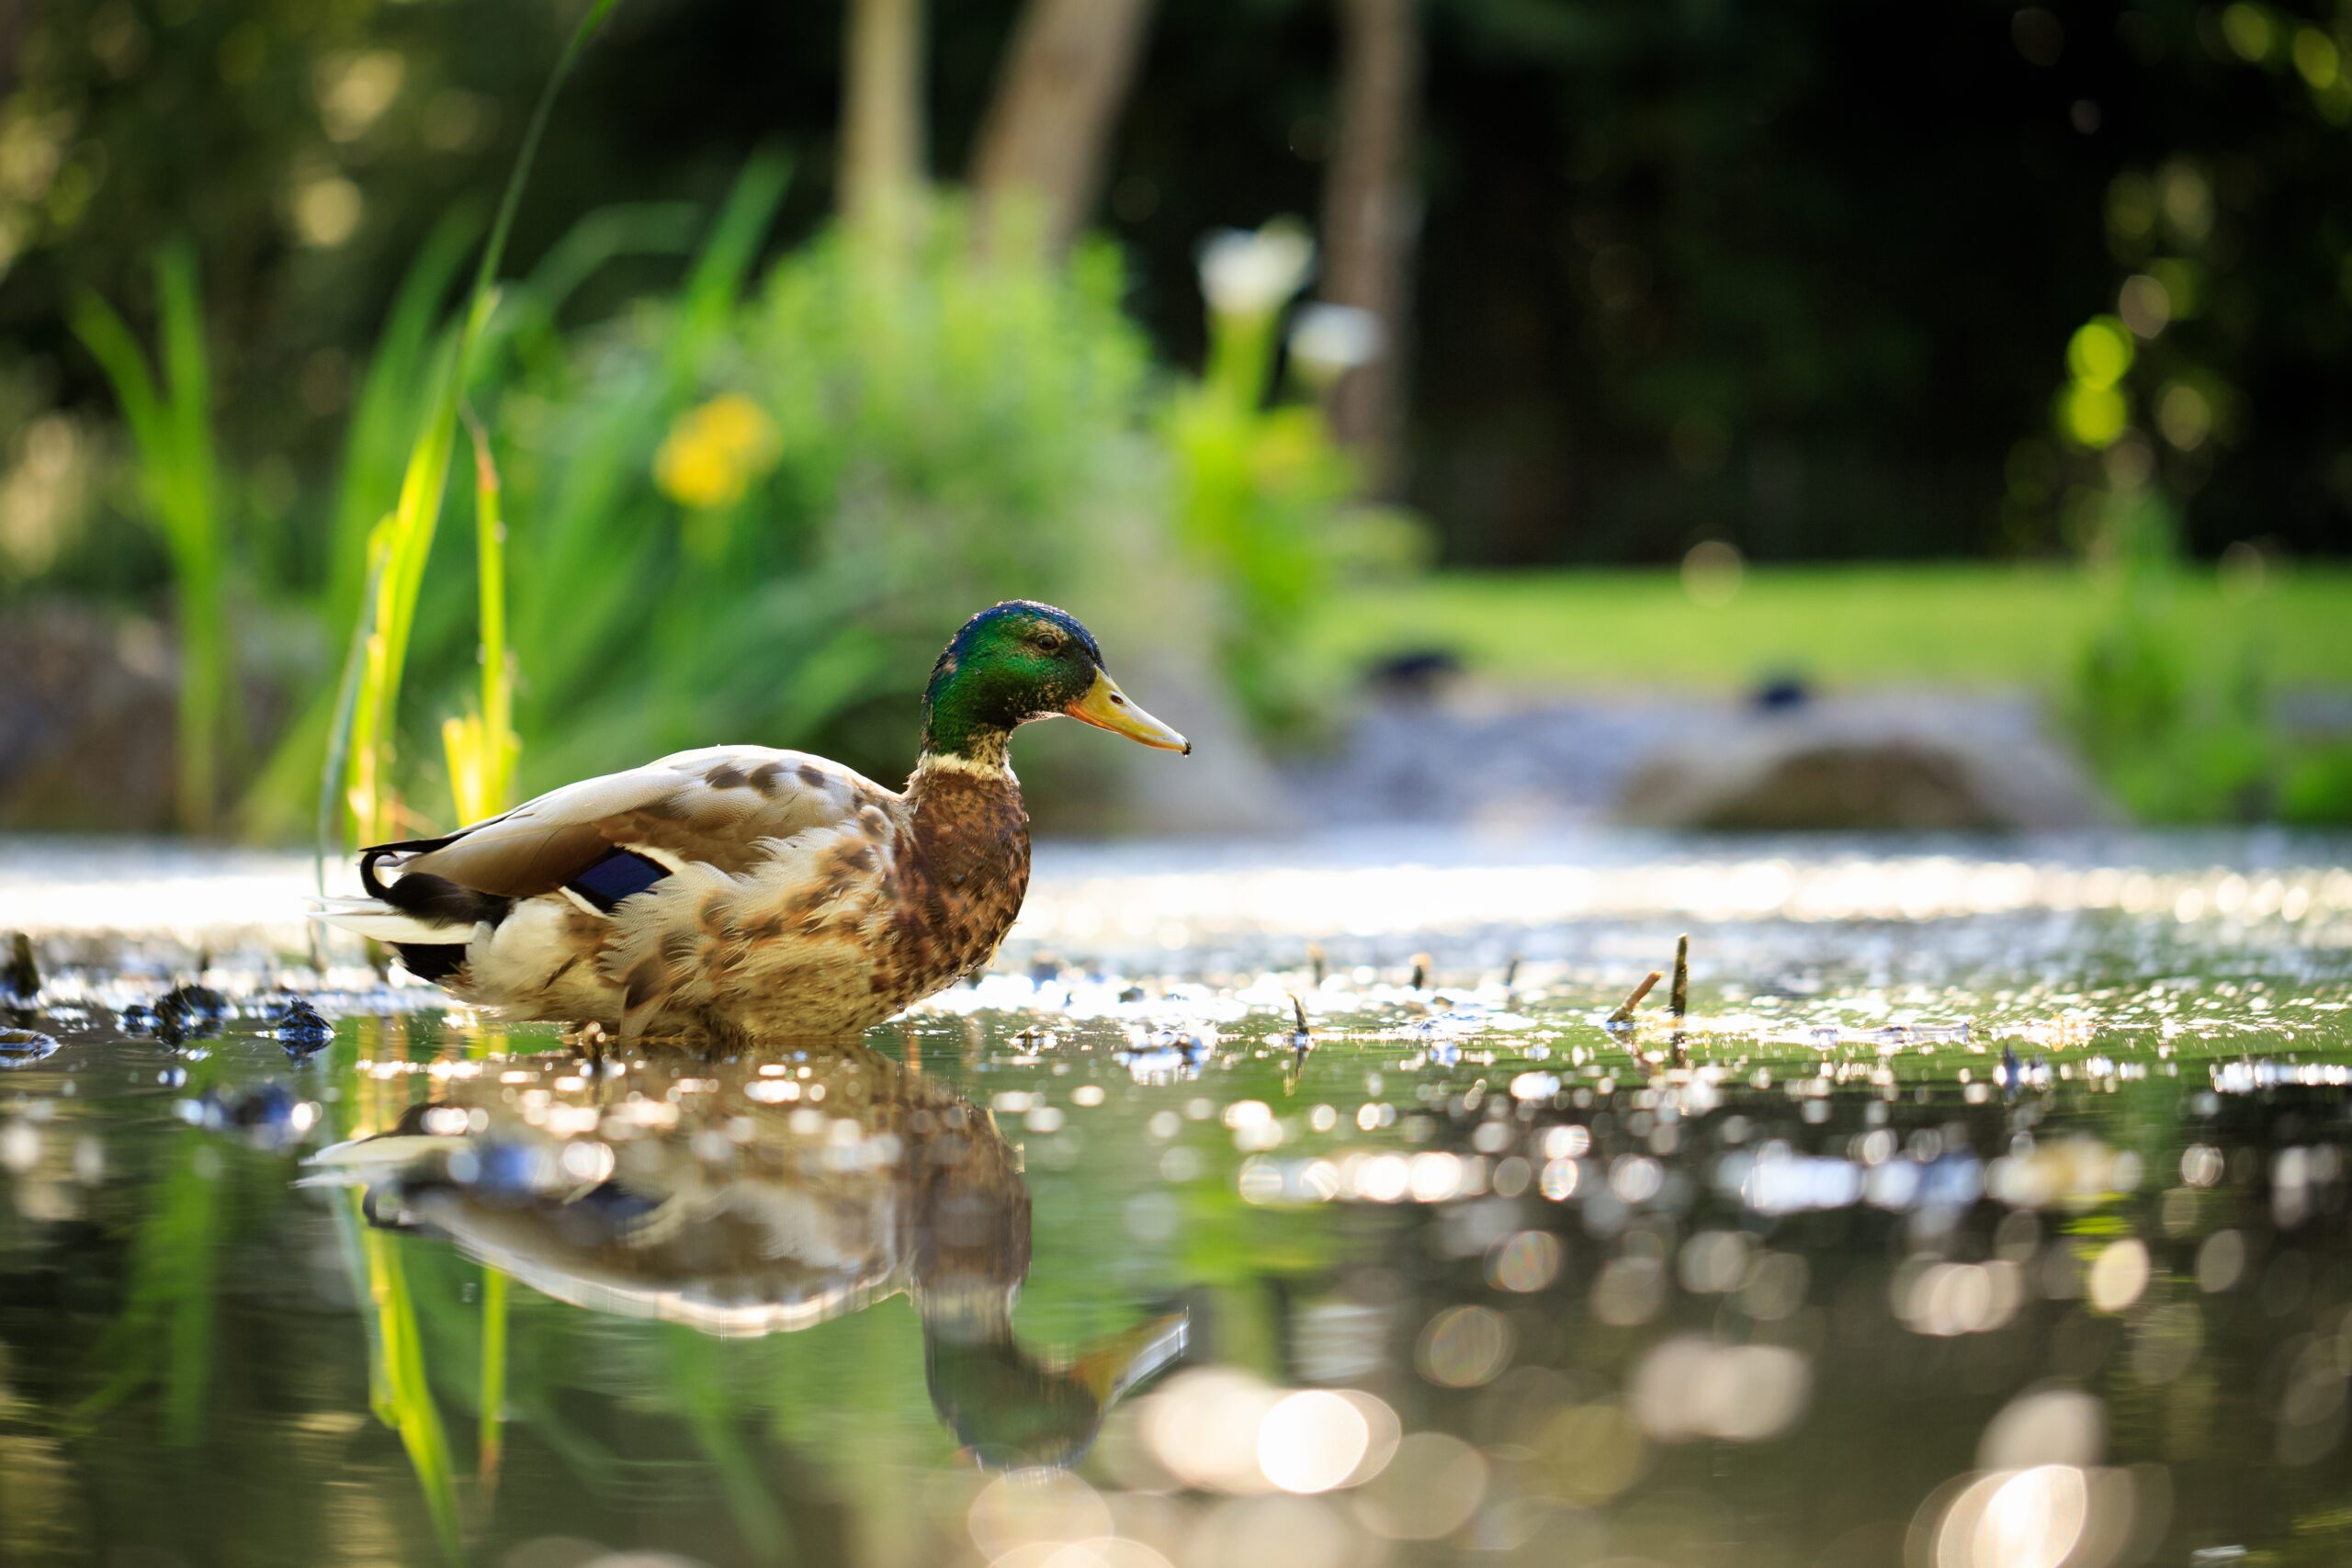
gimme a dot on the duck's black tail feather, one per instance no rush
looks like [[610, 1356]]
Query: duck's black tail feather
[[426, 920]]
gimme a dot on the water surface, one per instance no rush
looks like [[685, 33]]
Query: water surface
[[1989, 1207]]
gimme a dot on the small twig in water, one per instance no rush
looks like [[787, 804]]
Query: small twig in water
[[1316, 961], [1624, 1013], [1420, 971], [20, 982], [1679, 999], [1300, 1044], [1301, 1037]]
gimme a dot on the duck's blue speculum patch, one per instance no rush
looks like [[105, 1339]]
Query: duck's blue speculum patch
[[615, 877]]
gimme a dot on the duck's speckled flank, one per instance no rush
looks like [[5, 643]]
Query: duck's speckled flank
[[833, 931]]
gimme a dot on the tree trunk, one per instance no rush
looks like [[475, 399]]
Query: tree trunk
[[14, 15], [1058, 96], [1371, 214], [882, 119]]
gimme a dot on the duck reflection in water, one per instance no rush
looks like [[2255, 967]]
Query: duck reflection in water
[[759, 1195]]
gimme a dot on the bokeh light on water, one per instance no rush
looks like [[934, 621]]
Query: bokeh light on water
[[1983, 1212]]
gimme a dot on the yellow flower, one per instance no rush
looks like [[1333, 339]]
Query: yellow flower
[[713, 453]]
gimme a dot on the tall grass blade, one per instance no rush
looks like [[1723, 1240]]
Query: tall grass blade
[[165, 1332], [408, 1393], [387, 412], [188, 389], [399, 1390], [392, 407], [707, 1400], [706, 303], [589, 572], [397, 549], [346, 707], [492, 1435], [481, 745], [171, 426], [624, 229], [385, 624]]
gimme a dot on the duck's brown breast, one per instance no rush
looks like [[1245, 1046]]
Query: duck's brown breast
[[963, 870]]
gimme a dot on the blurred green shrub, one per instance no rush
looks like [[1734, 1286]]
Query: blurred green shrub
[[2176, 742], [2140, 423], [1264, 495], [2315, 790], [2179, 735]]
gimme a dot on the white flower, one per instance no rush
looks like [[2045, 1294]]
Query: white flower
[[1329, 341], [1254, 274]]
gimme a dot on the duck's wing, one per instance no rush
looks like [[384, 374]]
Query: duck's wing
[[603, 839]]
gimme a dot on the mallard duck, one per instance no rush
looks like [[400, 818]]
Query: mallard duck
[[741, 893], [705, 1193]]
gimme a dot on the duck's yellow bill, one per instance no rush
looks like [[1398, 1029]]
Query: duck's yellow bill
[[1106, 707], [1110, 1366]]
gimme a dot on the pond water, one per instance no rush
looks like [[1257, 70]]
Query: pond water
[[1988, 1207]]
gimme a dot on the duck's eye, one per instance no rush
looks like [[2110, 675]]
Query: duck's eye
[[1046, 642]]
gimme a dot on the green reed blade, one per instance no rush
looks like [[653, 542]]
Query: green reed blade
[[705, 1399], [166, 1331], [170, 428], [492, 1437], [384, 627], [408, 1393], [386, 410], [482, 747]]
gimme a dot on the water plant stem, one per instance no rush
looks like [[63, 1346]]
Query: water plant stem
[[20, 980]]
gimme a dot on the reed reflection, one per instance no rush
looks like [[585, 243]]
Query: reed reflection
[[759, 1195]]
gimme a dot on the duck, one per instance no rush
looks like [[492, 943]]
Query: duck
[[698, 1190], [743, 894]]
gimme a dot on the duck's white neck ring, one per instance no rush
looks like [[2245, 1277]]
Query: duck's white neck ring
[[996, 767]]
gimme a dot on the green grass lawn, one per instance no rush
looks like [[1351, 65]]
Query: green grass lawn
[[1967, 626]]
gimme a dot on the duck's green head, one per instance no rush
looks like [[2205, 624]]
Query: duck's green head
[[1022, 661], [1012, 1410]]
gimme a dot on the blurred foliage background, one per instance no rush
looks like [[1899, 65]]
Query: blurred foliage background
[[822, 324]]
